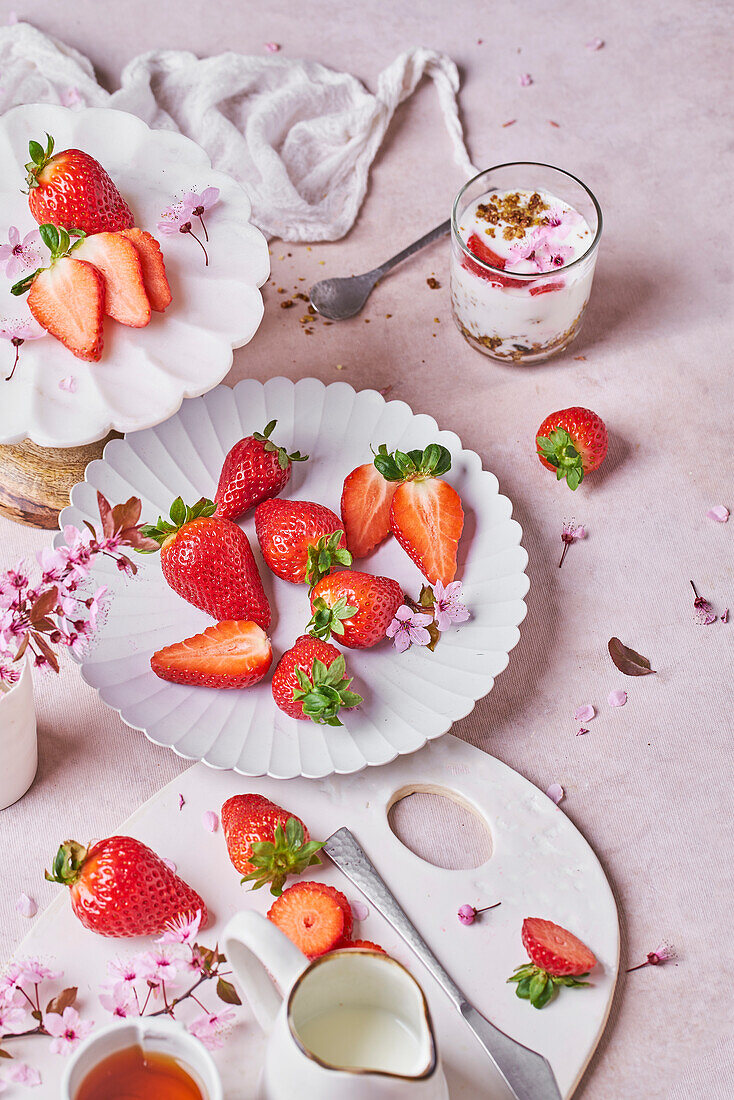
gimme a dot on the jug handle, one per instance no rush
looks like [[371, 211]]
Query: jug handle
[[258, 952]]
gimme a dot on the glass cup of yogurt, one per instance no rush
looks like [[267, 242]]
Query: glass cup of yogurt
[[524, 240]]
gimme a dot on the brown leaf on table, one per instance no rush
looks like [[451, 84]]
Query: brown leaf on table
[[627, 660], [5, 1054], [65, 999]]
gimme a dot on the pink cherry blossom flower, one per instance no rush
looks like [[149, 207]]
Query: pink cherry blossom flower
[[719, 513], [119, 1000], [20, 1073], [19, 256], [67, 1029], [526, 80], [96, 604], [184, 929], [617, 698], [584, 713], [468, 914], [26, 906], [9, 980], [555, 792], [210, 1028], [68, 384], [161, 965], [570, 532], [174, 216], [126, 971], [17, 330], [13, 1015], [9, 675], [703, 612], [408, 628], [200, 203], [52, 563], [33, 972], [448, 607], [662, 954], [210, 821]]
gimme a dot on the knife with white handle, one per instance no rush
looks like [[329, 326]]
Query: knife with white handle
[[527, 1074]]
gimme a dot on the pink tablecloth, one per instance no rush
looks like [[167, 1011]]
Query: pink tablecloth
[[641, 121]]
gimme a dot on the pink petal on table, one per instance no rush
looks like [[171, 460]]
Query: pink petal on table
[[26, 906], [210, 821], [595, 44], [584, 713], [617, 698], [581, 732], [169, 864], [720, 513], [68, 384], [271, 47], [725, 616], [526, 80], [359, 910], [181, 802], [555, 792]]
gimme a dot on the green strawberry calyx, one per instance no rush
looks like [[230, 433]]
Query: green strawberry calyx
[[413, 465], [284, 459], [180, 515], [59, 243], [325, 692], [40, 157], [328, 620], [538, 986], [323, 556], [289, 853], [68, 862], [560, 451]]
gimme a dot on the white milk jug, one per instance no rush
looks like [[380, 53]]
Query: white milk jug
[[351, 1025]]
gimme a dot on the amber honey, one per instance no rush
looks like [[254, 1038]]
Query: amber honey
[[136, 1074]]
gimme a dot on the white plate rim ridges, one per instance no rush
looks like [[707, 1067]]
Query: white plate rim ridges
[[410, 698]]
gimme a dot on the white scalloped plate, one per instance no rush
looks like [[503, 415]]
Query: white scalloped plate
[[143, 374], [409, 698]]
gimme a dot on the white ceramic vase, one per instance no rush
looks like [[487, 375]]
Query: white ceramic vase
[[18, 741]]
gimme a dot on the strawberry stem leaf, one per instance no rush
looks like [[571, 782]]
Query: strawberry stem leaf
[[325, 692], [434, 461], [327, 620], [67, 864], [559, 451], [538, 986], [289, 853], [284, 459], [180, 514], [323, 556]]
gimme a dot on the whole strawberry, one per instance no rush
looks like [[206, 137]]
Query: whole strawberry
[[557, 958], [300, 541], [265, 843], [572, 442], [310, 681], [208, 561], [120, 887], [356, 608], [255, 469], [72, 189]]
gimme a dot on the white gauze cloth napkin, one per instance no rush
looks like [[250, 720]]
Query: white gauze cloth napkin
[[298, 136]]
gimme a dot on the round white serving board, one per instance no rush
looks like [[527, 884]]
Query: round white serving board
[[409, 698], [540, 866], [143, 374]]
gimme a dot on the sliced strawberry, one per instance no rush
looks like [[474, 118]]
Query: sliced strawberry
[[342, 901], [363, 945], [67, 299], [548, 288], [365, 508], [153, 267], [556, 950], [427, 520], [483, 252], [310, 917], [232, 654], [117, 259]]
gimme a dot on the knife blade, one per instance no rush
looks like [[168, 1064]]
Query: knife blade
[[527, 1074]]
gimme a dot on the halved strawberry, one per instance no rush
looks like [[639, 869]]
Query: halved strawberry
[[365, 508], [232, 654], [310, 916], [426, 516], [483, 252], [558, 958], [117, 259], [362, 945], [67, 299], [153, 267]]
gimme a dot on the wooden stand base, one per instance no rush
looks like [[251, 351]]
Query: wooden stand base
[[35, 482]]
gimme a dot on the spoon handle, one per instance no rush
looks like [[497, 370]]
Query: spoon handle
[[434, 235]]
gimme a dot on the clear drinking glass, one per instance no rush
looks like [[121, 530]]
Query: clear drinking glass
[[524, 318]]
